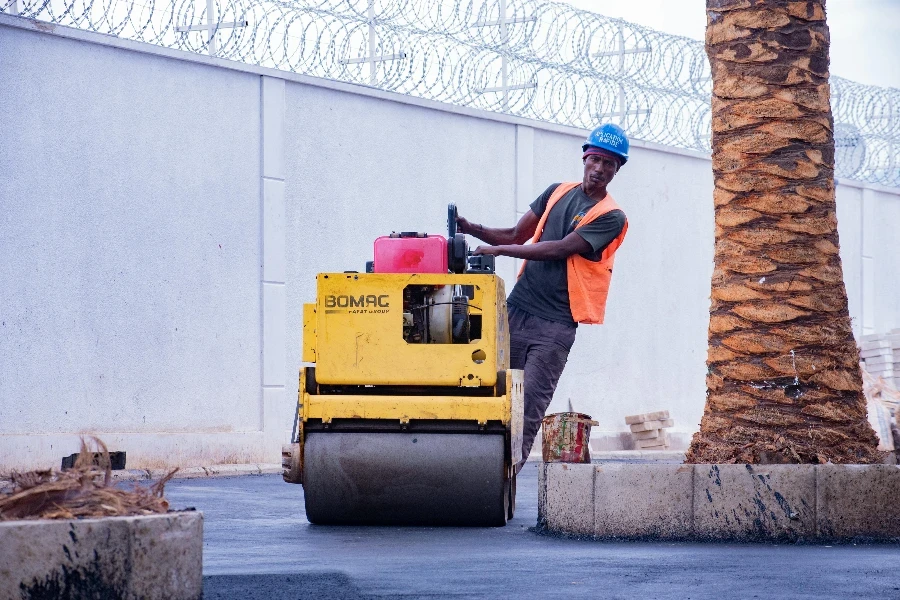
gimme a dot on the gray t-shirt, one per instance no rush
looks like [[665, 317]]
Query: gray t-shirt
[[543, 288]]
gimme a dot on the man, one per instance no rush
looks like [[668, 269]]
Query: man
[[576, 230]]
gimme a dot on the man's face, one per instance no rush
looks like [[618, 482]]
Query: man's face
[[599, 169]]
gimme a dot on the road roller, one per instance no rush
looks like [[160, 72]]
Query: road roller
[[407, 411]]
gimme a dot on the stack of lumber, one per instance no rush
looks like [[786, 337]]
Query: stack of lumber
[[649, 430], [881, 355]]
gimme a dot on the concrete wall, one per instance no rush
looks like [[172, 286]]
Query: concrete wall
[[164, 216], [130, 243]]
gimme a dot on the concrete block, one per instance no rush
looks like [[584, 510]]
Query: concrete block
[[636, 501], [647, 435], [875, 345], [658, 444], [147, 557], [880, 366], [659, 440], [870, 352], [883, 373], [886, 375], [648, 425], [858, 501], [660, 415], [742, 502], [568, 503], [881, 359]]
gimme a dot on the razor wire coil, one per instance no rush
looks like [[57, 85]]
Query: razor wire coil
[[535, 59]]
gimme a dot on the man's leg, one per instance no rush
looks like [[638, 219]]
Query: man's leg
[[518, 338], [541, 348], [543, 367]]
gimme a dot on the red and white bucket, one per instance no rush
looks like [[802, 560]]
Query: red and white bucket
[[567, 437]]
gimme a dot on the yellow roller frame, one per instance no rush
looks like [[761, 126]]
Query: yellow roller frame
[[405, 408]]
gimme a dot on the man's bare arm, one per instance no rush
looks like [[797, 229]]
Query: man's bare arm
[[521, 233], [552, 250]]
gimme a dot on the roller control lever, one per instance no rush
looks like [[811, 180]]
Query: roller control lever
[[460, 258]]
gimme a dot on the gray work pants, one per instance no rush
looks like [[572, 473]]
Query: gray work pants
[[541, 348]]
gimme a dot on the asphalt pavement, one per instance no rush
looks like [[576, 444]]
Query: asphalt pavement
[[259, 545]]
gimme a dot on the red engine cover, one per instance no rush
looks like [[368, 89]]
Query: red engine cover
[[411, 254]]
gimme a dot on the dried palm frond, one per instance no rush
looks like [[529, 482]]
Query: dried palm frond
[[84, 491]]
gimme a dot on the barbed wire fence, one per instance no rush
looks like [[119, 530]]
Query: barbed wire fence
[[530, 58]]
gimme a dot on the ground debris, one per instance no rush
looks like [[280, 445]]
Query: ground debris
[[84, 491]]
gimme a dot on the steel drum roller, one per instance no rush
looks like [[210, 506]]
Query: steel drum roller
[[405, 478]]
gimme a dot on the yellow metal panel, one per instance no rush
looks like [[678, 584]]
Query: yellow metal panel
[[359, 333], [302, 394], [309, 333], [404, 408]]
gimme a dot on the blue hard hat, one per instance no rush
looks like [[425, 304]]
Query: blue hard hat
[[611, 138]]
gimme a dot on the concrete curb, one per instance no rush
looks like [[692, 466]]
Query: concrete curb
[[602, 455], [720, 502], [145, 557], [199, 472]]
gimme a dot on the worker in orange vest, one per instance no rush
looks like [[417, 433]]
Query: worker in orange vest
[[574, 230]]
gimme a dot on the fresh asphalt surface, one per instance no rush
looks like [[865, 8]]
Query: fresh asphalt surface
[[259, 545]]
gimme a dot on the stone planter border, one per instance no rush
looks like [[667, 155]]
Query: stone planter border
[[721, 502], [145, 557]]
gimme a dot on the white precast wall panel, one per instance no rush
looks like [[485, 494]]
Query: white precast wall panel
[[276, 406], [868, 218], [849, 216], [129, 231], [887, 261]]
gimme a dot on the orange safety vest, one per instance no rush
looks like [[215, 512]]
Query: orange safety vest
[[588, 279]]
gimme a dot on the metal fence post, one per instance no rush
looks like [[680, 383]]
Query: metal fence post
[[213, 26]]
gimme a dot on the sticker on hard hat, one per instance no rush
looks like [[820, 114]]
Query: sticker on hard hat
[[608, 138]]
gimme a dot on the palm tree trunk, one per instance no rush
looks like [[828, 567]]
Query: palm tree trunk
[[783, 380]]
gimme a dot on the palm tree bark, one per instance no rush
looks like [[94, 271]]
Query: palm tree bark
[[783, 380]]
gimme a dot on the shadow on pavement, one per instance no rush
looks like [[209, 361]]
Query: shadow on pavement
[[306, 586]]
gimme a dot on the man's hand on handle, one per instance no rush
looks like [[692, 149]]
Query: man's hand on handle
[[551, 250], [487, 251], [509, 242]]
